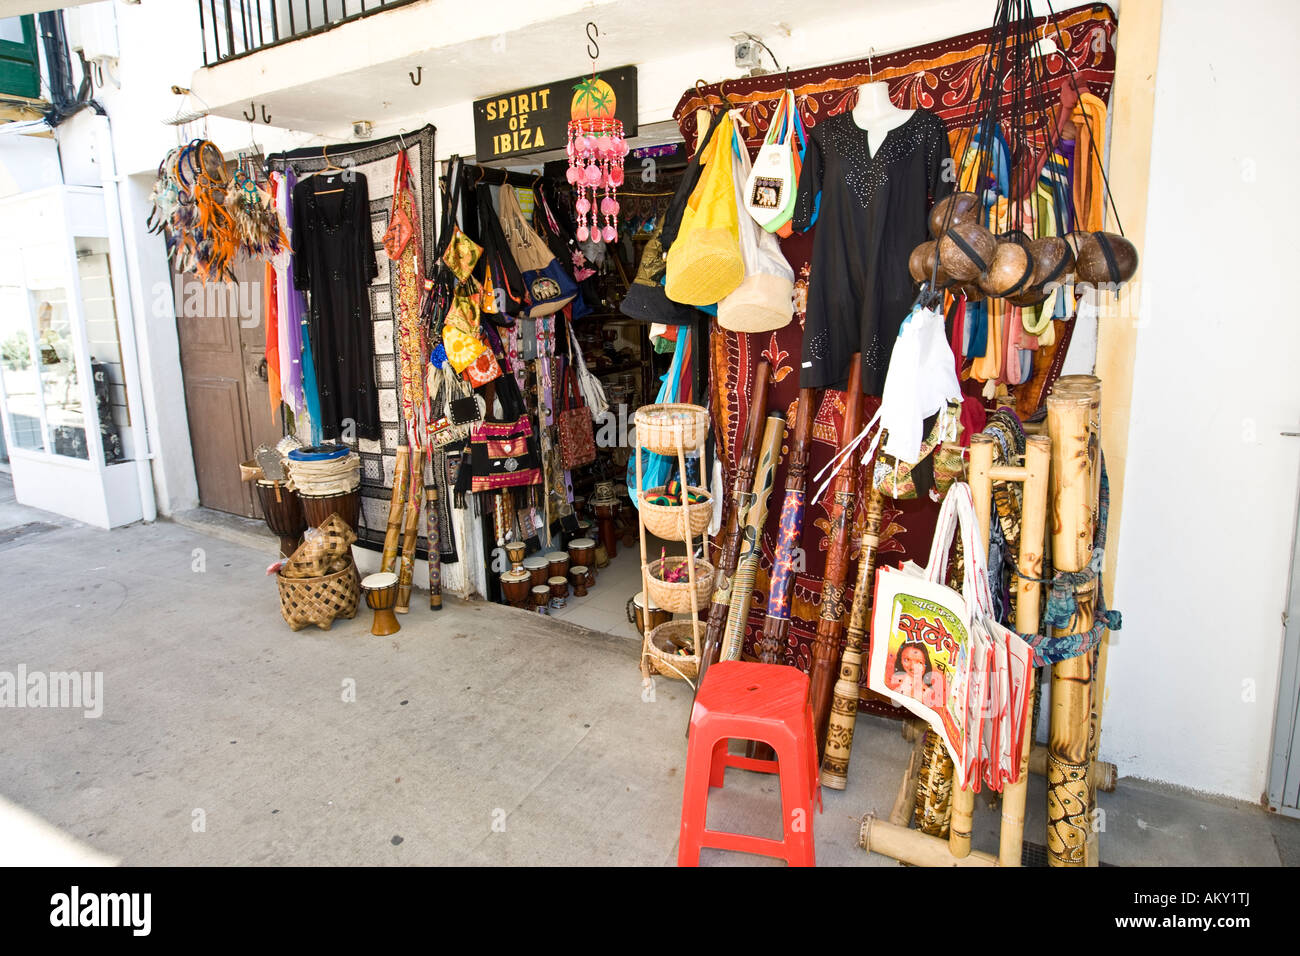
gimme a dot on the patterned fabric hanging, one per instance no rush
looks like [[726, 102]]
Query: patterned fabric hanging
[[402, 243]]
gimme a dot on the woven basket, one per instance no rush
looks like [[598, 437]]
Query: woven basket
[[306, 601], [665, 521], [657, 427], [676, 596], [250, 471], [319, 554], [661, 659]]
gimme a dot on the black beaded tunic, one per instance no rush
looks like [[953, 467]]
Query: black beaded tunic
[[870, 212], [334, 260]]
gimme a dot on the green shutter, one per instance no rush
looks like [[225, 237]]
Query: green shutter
[[20, 68]]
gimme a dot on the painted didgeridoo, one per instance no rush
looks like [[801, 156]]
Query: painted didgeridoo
[[751, 549], [830, 623], [776, 626], [431, 533], [729, 552]]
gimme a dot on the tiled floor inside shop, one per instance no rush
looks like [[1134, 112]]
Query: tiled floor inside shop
[[479, 735]]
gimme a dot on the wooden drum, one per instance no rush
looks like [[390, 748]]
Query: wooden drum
[[582, 551], [515, 552], [541, 597], [645, 613], [282, 510], [559, 587], [578, 578], [557, 564], [538, 570], [347, 505], [381, 594], [515, 585]]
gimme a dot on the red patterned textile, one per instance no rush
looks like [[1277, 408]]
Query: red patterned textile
[[942, 77]]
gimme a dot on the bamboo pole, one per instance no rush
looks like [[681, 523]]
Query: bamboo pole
[[1074, 449], [905, 802], [1033, 527], [410, 534], [1102, 775], [396, 503], [913, 846]]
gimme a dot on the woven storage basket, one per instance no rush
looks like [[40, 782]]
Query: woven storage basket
[[657, 427], [662, 660], [665, 521], [306, 601], [676, 596], [318, 554], [250, 471]]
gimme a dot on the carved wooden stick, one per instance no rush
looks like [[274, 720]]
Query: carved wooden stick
[[742, 588], [844, 703], [830, 625], [729, 551]]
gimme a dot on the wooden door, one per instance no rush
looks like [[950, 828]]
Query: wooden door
[[222, 343]]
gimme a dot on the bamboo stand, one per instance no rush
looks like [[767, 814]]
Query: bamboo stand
[[393, 533], [921, 849], [690, 550], [1073, 416]]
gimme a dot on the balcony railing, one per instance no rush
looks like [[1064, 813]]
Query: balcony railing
[[232, 28]]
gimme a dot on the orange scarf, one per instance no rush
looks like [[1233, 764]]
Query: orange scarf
[[1089, 118]]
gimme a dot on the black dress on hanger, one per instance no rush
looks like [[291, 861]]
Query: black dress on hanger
[[334, 260], [870, 212]]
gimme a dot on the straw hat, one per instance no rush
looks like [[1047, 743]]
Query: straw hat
[[961, 207], [966, 250]]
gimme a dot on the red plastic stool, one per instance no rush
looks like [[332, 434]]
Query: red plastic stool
[[767, 703]]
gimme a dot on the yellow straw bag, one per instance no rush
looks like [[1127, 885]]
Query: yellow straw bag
[[704, 263]]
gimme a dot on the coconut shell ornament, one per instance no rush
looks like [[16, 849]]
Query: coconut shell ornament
[[952, 209], [1105, 258], [966, 250], [1010, 269]]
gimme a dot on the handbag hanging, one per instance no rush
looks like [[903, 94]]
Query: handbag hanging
[[504, 452], [704, 263], [550, 288], [770, 186], [764, 300], [577, 437], [457, 251], [497, 269]]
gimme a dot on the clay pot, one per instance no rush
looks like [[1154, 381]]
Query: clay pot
[[1093, 266], [961, 207], [965, 264]]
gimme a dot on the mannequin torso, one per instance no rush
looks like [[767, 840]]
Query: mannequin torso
[[876, 114]]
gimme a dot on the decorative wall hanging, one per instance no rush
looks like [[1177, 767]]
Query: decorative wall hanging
[[595, 149]]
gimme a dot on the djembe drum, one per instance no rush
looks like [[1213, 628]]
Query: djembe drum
[[515, 586], [282, 510], [515, 552], [345, 504], [645, 613], [578, 579], [539, 570], [582, 551], [559, 587], [541, 597], [380, 590], [557, 564], [606, 512]]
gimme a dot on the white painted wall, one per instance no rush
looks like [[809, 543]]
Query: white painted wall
[[1210, 496]]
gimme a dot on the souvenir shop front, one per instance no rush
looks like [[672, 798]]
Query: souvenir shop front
[[800, 401]]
